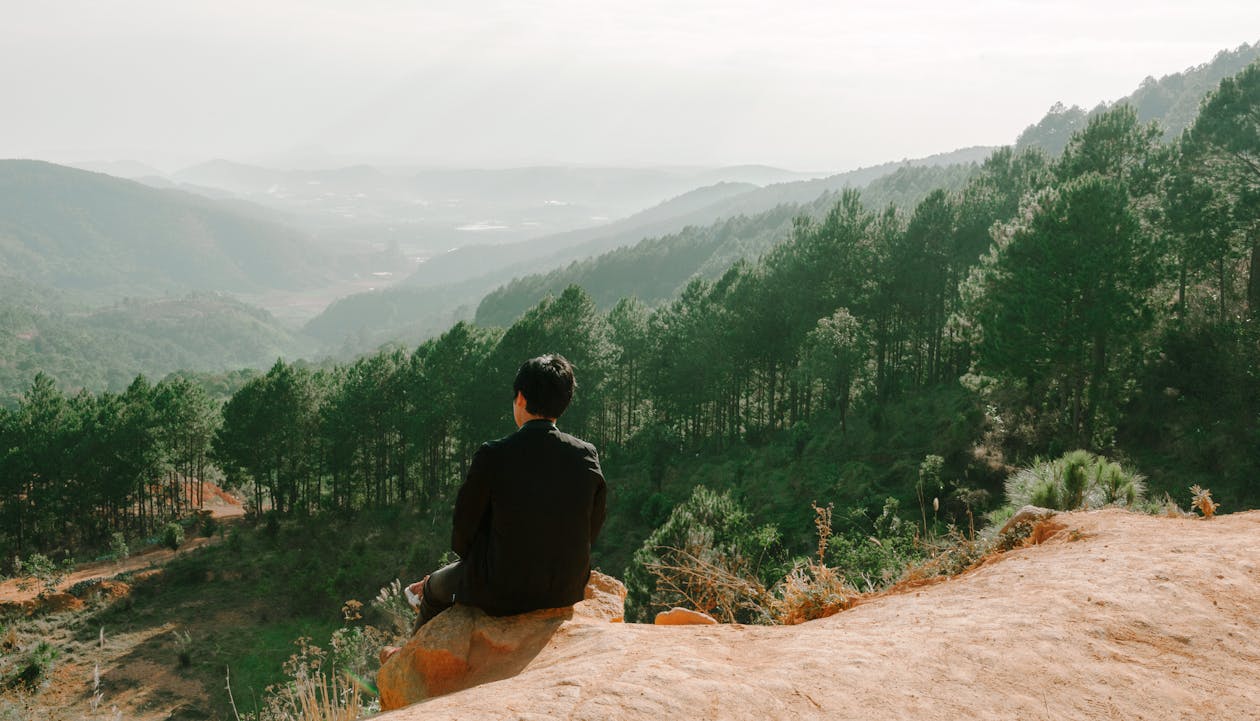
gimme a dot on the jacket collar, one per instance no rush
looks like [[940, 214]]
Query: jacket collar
[[540, 423]]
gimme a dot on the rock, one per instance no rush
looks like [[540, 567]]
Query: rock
[[683, 617], [463, 647], [1027, 515]]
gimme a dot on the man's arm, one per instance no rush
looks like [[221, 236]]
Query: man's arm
[[598, 509], [472, 502]]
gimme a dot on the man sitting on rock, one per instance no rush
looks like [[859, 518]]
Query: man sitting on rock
[[528, 512]]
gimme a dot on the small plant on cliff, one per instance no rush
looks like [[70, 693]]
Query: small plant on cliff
[[183, 648], [1077, 479], [812, 589], [37, 668], [392, 604], [707, 556], [314, 692], [1201, 500]]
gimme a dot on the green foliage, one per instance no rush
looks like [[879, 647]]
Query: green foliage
[[708, 530], [1077, 479], [36, 669], [46, 572], [172, 536], [118, 547], [873, 553]]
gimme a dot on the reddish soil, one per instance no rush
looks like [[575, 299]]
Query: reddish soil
[[25, 591]]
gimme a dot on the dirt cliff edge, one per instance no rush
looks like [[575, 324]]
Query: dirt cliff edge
[[1120, 616]]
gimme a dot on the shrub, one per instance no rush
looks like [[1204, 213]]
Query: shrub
[[118, 546], [873, 559], [1077, 479], [183, 648], [813, 590], [1201, 500], [37, 667], [43, 570], [209, 524], [708, 556], [172, 535]]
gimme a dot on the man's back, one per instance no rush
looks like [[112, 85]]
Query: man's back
[[525, 519]]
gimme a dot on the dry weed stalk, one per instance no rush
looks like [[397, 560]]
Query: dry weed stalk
[[812, 591]]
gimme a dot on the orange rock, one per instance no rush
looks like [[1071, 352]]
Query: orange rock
[[683, 617], [463, 647]]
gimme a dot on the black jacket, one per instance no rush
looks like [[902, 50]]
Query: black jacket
[[525, 520]]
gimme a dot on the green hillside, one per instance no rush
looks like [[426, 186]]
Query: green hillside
[[657, 269], [1172, 101], [76, 230], [105, 348]]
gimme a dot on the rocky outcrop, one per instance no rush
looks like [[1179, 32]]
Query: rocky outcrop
[[683, 617], [1122, 616], [463, 647]]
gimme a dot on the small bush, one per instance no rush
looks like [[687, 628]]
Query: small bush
[[209, 524], [707, 556], [1077, 479], [37, 667], [172, 535], [813, 590], [873, 559], [118, 546], [183, 648], [1201, 501], [43, 570]]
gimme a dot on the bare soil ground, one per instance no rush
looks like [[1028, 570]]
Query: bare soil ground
[[220, 503], [128, 669], [1115, 616]]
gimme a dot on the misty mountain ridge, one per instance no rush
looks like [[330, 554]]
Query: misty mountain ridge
[[73, 229]]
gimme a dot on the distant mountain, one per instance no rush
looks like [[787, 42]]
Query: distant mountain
[[1172, 101], [104, 349], [477, 260], [437, 209], [449, 287], [129, 169], [77, 230], [657, 269], [700, 207]]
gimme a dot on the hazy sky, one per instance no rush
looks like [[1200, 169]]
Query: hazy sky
[[825, 84]]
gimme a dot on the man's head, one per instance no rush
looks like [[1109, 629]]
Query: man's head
[[547, 384]]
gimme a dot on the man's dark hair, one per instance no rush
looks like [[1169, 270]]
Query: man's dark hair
[[547, 383]]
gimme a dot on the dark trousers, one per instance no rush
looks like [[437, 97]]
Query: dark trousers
[[438, 594]]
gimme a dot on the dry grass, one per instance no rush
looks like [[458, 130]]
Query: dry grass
[[1202, 501], [717, 584]]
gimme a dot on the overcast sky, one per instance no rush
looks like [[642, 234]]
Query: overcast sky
[[818, 85]]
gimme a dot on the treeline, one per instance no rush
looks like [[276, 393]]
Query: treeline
[[75, 469], [1108, 299]]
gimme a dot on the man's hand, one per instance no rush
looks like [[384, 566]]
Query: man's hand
[[415, 592]]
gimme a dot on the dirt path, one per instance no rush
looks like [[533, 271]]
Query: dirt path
[[1119, 616], [221, 505]]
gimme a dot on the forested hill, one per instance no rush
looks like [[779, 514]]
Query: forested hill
[[657, 269], [1172, 101], [83, 231], [102, 349]]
